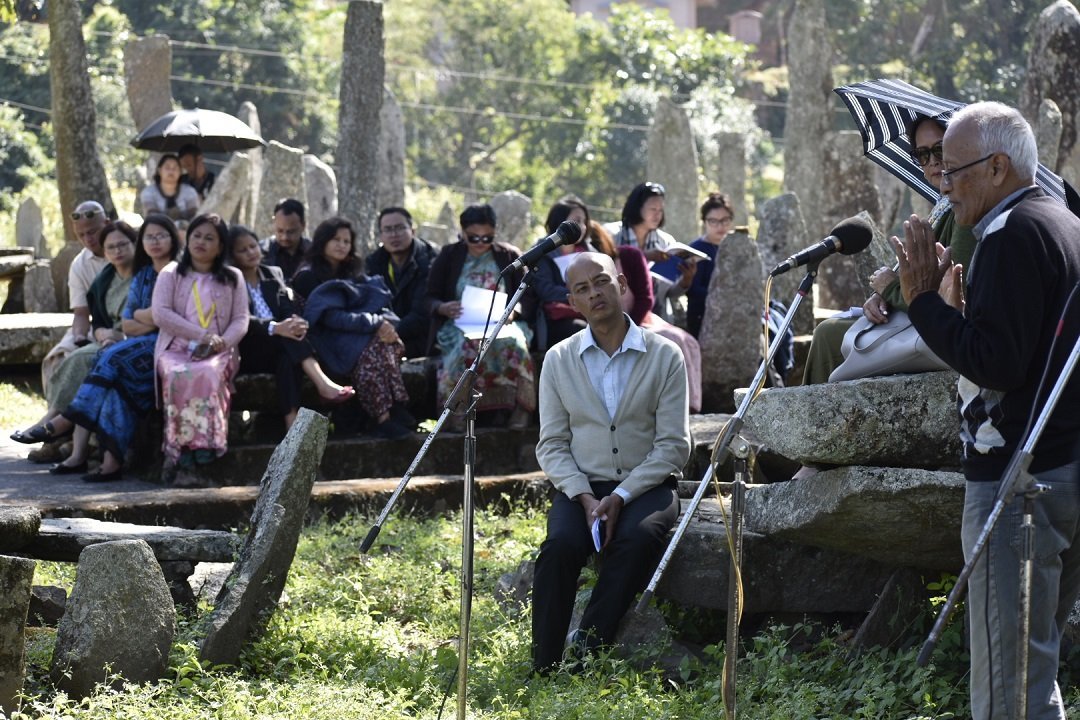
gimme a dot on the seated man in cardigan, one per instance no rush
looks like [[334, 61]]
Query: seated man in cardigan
[[614, 437]]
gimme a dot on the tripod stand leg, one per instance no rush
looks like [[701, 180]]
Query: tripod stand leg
[[466, 560]]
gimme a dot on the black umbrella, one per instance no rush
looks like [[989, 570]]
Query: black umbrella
[[883, 108], [209, 130]]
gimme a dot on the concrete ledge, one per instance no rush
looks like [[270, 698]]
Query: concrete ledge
[[26, 338]]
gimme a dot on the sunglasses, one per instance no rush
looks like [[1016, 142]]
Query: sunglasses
[[921, 155], [486, 239], [87, 215], [655, 188]]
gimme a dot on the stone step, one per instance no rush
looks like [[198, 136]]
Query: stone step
[[14, 261], [64, 539]]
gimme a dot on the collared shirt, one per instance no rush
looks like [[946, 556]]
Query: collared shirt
[[609, 375], [980, 227]]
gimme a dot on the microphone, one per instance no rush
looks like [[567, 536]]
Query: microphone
[[568, 233], [847, 238]]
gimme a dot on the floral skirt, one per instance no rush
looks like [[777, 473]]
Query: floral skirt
[[506, 377], [196, 395]]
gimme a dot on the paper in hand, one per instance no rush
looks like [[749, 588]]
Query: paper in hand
[[597, 534], [474, 311]]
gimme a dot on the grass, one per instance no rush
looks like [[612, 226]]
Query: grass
[[375, 637], [21, 400]]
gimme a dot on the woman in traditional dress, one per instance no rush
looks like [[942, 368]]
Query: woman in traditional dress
[[351, 326], [506, 377], [119, 391], [200, 305]]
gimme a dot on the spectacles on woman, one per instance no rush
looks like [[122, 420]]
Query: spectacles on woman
[[655, 188], [921, 155], [85, 215], [717, 222], [476, 239]]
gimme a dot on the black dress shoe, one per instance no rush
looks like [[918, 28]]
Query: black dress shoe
[[39, 434], [100, 477], [62, 469]]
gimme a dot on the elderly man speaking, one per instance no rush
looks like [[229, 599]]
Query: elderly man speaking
[[996, 327]]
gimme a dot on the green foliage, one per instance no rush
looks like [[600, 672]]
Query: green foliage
[[21, 157]]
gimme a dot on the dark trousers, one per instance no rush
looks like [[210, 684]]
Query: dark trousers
[[628, 563], [262, 353]]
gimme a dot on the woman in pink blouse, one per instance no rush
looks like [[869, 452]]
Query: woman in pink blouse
[[201, 307]]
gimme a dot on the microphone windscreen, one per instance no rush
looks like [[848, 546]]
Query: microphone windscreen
[[854, 234], [569, 232]]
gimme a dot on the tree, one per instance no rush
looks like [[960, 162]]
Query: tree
[[79, 173], [362, 73], [21, 157]]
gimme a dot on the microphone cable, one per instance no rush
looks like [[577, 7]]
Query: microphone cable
[[728, 535]]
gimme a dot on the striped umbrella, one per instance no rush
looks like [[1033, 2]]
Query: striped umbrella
[[883, 108]]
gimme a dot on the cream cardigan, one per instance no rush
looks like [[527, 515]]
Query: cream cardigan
[[646, 442]]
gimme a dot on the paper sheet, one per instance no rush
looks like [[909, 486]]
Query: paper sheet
[[474, 311]]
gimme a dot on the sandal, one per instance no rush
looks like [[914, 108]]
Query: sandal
[[40, 433]]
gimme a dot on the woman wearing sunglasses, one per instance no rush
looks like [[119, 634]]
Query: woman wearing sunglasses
[[506, 377], [925, 134]]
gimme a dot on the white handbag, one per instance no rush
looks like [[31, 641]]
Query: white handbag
[[887, 349]]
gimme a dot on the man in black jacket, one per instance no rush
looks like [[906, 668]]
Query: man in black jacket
[[403, 260], [998, 332]]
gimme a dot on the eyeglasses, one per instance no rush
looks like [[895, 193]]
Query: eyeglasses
[[717, 222], [655, 188], [946, 175], [115, 247], [156, 237], [921, 155], [476, 239], [87, 214], [394, 229]]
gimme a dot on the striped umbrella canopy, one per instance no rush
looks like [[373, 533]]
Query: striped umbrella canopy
[[882, 110]]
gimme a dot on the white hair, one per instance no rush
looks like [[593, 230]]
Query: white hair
[[1002, 129]]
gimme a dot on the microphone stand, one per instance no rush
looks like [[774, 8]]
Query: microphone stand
[[463, 395], [1016, 480], [722, 446]]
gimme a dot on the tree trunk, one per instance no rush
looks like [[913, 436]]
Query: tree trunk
[[79, 172], [362, 73]]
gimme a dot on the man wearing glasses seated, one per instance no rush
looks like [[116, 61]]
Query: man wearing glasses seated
[[88, 220], [403, 260]]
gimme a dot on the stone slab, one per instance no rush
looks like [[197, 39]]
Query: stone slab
[[63, 539]]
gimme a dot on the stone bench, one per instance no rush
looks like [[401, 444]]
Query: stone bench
[[25, 338], [176, 549]]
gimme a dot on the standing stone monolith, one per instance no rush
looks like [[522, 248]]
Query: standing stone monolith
[[781, 234], [254, 587], [363, 70], [119, 620], [391, 174], [232, 189], [147, 67], [16, 580], [249, 208], [283, 177], [39, 295], [1051, 74], [729, 176], [80, 174], [514, 217], [673, 162], [321, 187], [1048, 127], [809, 112], [731, 335], [30, 228], [850, 190]]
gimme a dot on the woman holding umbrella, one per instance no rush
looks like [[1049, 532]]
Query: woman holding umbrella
[[167, 195]]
